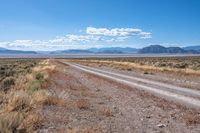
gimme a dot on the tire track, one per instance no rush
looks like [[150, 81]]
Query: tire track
[[169, 92]]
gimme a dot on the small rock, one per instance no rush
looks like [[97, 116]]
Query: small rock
[[161, 125], [148, 117], [120, 113]]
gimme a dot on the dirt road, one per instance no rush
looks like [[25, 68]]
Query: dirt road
[[102, 102], [185, 96]]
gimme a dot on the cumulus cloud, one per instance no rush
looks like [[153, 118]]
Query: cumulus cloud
[[117, 32]]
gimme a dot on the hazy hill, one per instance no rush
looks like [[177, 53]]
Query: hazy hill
[[8, 51], [109, 50], [196, 48], [114, 50], [72, 51]]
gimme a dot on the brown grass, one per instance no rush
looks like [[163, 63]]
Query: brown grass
[[43, 98], [32, 122], [124, 65], [192, 118], [106, 111], [2, 95], [20, 106], [86, 130], [82, 104], [19, 101], [9, 122], [87, 93]]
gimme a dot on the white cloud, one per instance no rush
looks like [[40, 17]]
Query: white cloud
[[117, 32], [93, 37], [75, 38]]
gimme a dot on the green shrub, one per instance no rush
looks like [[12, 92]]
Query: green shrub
[[7, 83], [34, 85], [37, 83], [39, 76]]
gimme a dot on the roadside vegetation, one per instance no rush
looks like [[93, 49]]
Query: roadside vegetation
[[23, 92], [11, 69], [182, 65]]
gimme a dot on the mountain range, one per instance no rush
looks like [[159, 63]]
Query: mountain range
[[158, 49], [152, 49], [9, 51]]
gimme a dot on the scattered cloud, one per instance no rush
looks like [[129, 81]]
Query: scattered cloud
[[75, 38], [92, 37], [118, 32]]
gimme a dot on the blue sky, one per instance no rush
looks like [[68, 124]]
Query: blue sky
[[68, 24]]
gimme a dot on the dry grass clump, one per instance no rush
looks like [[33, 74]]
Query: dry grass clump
[[19, 101], [20, 123], [9, 122], [43, 98], [2, 95], [50, 100], [82, 104], [32, 122], [87, 93], [106, 111]]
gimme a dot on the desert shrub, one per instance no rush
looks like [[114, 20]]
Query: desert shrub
[[7, 83], [129, 69], [146, 72], [160, 64], [181, 65], [34, 85], [37, 83], [39, 76]]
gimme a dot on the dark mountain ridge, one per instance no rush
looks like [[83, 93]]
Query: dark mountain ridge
[[158, 49]]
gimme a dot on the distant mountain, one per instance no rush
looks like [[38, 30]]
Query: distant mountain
[[157, 49], [114, 50], [109, 50], [153, 49], [175, 50], [72, 51], [1, 49], [7, 51], [195, 48]]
